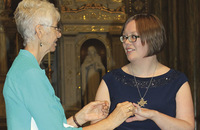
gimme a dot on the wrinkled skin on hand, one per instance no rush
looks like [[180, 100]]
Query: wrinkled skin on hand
[[95, 110]]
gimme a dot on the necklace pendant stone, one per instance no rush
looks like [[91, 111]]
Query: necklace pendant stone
[[142, 102]]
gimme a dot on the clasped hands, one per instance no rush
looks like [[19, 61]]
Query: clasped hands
[[125, 111], [133, 112]]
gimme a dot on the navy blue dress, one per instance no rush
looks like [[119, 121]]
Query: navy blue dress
[[160, 96]]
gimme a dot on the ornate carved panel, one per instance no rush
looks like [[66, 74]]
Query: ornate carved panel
[[93, 13], [137, 6]]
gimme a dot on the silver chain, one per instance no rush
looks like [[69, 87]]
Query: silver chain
[[148, 85], [139, 89]]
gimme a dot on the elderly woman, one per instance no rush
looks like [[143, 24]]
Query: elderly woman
[[29, 97]]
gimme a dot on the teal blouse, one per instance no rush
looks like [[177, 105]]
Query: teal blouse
[[28, 93]]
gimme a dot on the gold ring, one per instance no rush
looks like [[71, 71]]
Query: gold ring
[[129, 109]]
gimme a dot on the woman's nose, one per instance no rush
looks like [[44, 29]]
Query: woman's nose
[[59, 34]]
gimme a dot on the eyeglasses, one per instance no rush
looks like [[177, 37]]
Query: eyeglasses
[[56, 28], [131, 38]]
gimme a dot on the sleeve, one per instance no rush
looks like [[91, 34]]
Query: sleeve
[[42, 103], [12, 105]]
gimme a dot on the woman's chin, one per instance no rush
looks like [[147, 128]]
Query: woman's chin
[[53, 49]]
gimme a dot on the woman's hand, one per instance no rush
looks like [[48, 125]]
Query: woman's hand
[[93, 111], [118, 116], [141, 114], [121, 113]]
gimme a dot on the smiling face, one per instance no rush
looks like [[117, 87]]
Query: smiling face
[[134, 50], [51, 36], [55, 35]]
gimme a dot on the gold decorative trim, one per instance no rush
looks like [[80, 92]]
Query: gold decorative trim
[[93, 17], [91, 28], [138, 5], [93, 13], [118, 1], [93, 6]]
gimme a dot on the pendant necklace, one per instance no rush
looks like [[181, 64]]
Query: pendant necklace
[[142, 102]]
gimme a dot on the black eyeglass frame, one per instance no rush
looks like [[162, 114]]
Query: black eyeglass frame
[[129, 38]]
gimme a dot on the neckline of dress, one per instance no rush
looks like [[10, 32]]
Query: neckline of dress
[[170, 70]]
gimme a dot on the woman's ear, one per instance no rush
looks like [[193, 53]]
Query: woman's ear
[[39, 31]]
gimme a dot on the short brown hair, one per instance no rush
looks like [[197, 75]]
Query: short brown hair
[[151, 30]]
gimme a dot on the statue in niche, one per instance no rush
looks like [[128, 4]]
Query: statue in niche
[[92, 71]]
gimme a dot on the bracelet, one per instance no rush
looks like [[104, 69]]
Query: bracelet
[[75, 121]]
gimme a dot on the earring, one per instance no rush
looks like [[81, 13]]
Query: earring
[[41, 44]]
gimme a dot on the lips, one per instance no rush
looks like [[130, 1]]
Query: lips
[[55, 42], [129, 50]]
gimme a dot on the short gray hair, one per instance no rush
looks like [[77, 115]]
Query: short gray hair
[[30, 13]]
